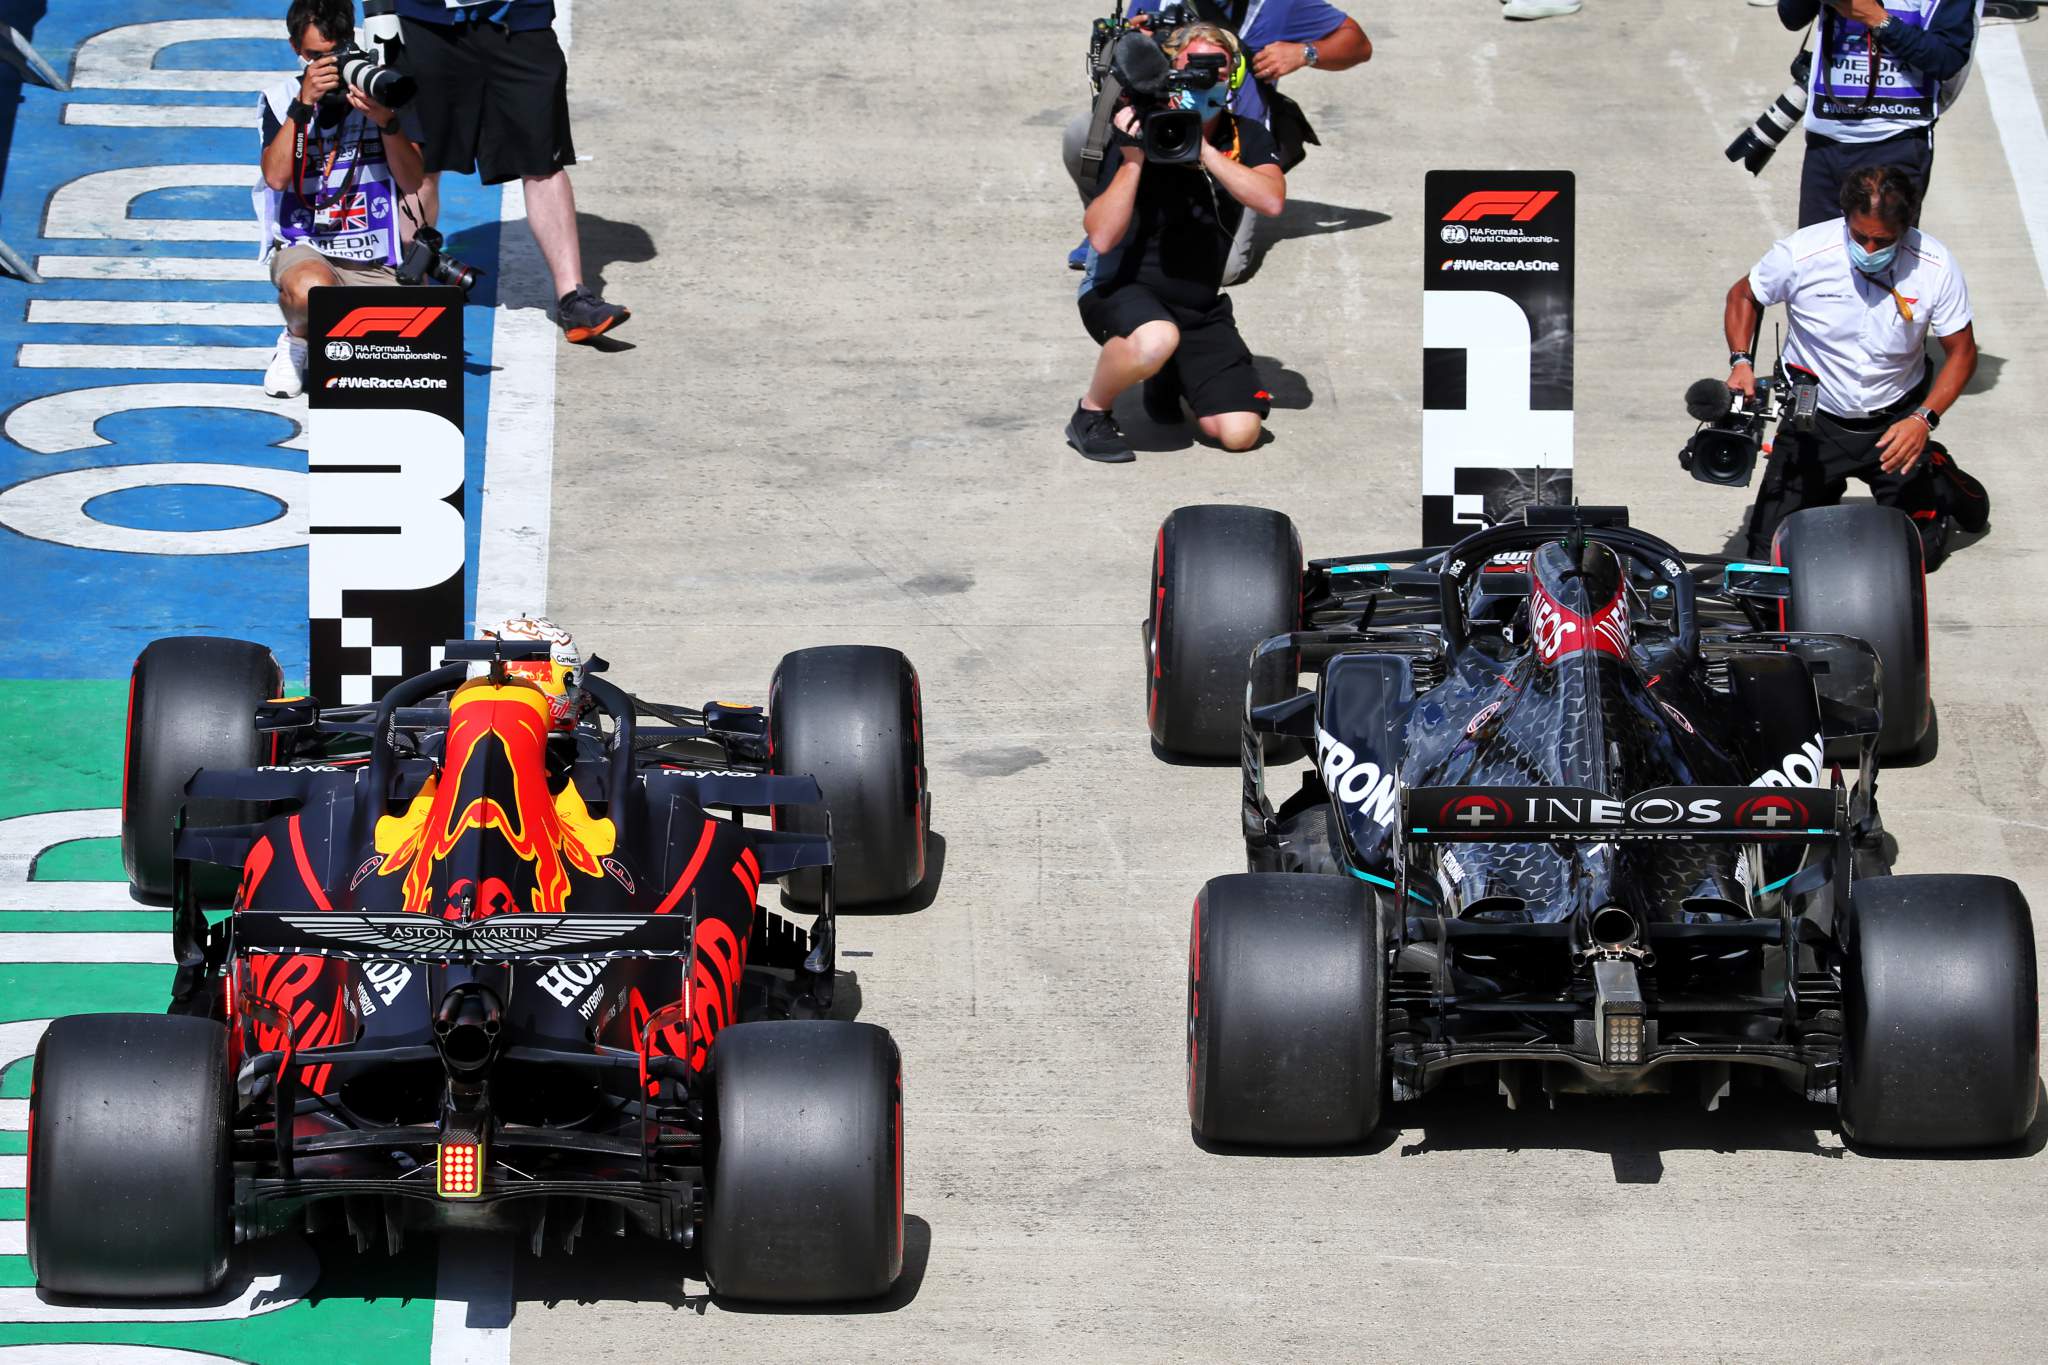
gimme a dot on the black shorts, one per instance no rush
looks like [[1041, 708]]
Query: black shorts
[[489, 100], [1215, 365]]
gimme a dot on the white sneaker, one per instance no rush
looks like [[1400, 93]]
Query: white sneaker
[[285, 376], [1539, 9]]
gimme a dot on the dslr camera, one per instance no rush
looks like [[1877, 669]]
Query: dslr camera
[[1731, 433], [426, 263]]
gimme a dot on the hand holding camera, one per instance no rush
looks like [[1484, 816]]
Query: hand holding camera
[[320, 78], [1733, 415]]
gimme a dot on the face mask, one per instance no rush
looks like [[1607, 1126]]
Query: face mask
[[1208, 103], [1870, 262]]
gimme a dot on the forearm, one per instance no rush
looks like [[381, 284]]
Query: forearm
[[277, 157], [1939, 51], [1258, 191], [1109, 214], [1740, 317], [408, 168], [1343, 47], [1956, 371]]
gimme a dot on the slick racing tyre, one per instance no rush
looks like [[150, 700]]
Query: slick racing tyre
[[806, 1198], [191, 704], [129, 1183], [851, 716], [1223, 579], [1856, 571], [1286, 994], [1941, 1042]]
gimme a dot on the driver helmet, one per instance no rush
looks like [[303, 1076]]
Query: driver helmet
[[560, 675]]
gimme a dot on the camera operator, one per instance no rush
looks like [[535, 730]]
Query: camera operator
[[494, 99], [1280, 37], [1158, 238], [334, 166], [1882, 74], [1861, 292]]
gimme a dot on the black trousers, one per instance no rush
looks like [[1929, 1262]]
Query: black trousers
[[1828, 163], [1814, 470]]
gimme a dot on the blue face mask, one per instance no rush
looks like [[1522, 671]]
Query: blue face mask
[[1208, 103], [1871, 262]]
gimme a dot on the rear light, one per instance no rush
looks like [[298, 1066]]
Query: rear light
[[459, 1174], [1618, 1012]]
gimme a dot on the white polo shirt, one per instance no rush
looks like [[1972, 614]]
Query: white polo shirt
[[1846, 327]]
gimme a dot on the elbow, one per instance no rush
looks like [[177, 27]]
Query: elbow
[[1274, 206], [277, 180]]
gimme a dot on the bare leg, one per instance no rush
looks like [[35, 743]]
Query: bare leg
[[294, 292], [551, 213], [1130, 360], [1232, 430]]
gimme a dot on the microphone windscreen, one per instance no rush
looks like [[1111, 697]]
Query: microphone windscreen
[[1140, 64], [1707, 399]]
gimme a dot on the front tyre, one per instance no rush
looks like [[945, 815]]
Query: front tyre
[[1941, 1044], [191, 704], [1286, 993], [129, 1183], [1223, 579], [852, 717], [806, 1198]]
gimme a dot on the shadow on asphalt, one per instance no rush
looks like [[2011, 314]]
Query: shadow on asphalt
[[1305, 218]]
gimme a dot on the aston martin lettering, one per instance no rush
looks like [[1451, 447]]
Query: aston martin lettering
[[519, 934], [1356, 782]]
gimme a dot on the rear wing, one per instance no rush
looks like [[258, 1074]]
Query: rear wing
[[1685, 814], [519, 937]]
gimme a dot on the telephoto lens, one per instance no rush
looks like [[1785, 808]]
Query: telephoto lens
[[1754, 145], [388, 86]]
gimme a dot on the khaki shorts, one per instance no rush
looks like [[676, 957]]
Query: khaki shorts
[[347, 272]]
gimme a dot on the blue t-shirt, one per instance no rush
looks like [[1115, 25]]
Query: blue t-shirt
[[517, 15], [1271, 21]]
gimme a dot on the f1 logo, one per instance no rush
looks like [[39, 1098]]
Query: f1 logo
[[406, 322], [1520, 207]]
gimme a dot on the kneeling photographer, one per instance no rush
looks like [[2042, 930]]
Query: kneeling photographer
[[335, 164], [1184, 172], [1861, 294]]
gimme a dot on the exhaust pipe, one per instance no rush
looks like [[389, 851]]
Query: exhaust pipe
[[1614, 928], [466, 1029]]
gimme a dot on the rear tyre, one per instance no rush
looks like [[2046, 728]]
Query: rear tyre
[[129, 1183], [191, 704], [807, 1183], [851, 716], [1223, 579], [1856, 570], [1286, 994], [1941, 1041]]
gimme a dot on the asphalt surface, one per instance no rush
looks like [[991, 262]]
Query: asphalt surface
[[854, 346]]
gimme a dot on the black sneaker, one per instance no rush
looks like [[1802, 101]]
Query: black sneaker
[[1096, 435], [584, 315], [1162, 397]]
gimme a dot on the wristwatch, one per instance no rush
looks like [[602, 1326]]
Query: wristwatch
[[1928, 415], [1308, 53], [1741, 358]]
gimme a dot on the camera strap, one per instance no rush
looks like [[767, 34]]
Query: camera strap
[[1098, 128]]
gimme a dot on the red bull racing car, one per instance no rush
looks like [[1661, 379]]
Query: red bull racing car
[[1576, 819], [494, 959]]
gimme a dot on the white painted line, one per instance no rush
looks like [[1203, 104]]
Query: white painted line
[[152, 268], [153, 313], [125, 58], [70, 897], [472, 1300], [96, 205], [13, 1239], [103, 1353], [25, 838], [37, 356], [52, 507], [66, 420], [13, 1172], [285, 1269], [157, 116], [2010, 88], [153, 949], [18, 1040], [13, 1116], [519, 442]]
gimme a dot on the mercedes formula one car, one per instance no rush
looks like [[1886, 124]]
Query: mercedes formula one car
[[1576, 817], [492, 961]]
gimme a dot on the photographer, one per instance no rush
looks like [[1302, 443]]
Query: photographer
[[494, 99], [334, 165], [1158, 237], [1861, 292], [1280, 37], [1882, 74]]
